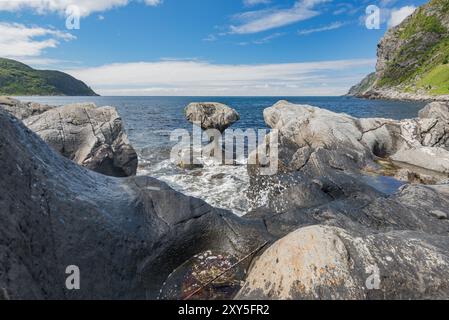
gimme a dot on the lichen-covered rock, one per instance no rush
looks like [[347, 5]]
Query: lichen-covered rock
[[22, 110], [92, 137], [125, 235], [322, 262], [211, 115]]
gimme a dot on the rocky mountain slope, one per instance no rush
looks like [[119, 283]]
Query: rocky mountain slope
[[413, 58], [18, 79]]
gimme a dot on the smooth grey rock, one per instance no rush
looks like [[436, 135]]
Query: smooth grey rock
[[321, 262], [313, 141], [125, 235], [92, 137], [435, 110], [211, 115], [323, 181], [22, 110], [435, 158]]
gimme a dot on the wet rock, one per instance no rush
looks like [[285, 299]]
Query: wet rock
[[336, 148], [211, 115], [189, 159], [125, 235], [92, 137], [439, 214], [206, 276]]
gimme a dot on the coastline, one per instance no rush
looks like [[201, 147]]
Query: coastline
[[378, 94]]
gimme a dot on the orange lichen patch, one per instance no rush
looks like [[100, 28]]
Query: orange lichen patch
[[306, 261]]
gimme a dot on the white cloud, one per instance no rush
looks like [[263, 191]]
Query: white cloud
[[262, 20], [250, 3], [18, 40], [332, 26], [210, 38], [201, 78], [399, 15], [59, 6], [268, 39], [153, 2]]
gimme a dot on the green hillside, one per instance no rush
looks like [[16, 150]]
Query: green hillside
[[414, 56], [18, 79]]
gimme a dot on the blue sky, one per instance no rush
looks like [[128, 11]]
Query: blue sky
[[201, 47]]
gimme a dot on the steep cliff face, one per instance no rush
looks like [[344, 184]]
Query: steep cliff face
[[413, 58]]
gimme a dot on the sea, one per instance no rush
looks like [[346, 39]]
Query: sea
[[150, 121]]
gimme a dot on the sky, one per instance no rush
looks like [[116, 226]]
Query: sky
[[201, 47]]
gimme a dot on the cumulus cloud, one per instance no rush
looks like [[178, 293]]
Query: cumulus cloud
[[206, 79], [86, 7], [399, 15], [262, 20], [18, 40]]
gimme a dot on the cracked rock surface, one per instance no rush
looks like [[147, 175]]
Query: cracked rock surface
[[22, 110], [336, 230], [92, 137], [326, 231], [126, 235]]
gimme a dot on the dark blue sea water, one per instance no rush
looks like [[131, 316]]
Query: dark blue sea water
[[150, 120]]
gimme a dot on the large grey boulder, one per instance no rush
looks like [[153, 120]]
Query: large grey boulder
[[325, 180], [435, 110], [92, 137], [322, 262], [137, 238], [313, 140], [22, 110], [125, 235], [432, 158], [211, 115], [339, 162]]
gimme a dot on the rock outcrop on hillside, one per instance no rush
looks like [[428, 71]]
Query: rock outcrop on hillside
[[412, 58], [125, 235]]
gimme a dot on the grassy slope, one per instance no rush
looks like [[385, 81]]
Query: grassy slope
[[428, 72], [19, 79]]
